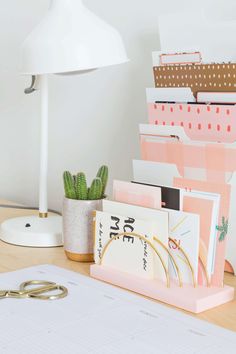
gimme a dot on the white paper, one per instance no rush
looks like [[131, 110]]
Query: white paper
[[126, 253], [161, 58], [196, 31], [184, 228], [170, 94], [160, 218], [97, 318], [216, 97], [163, 132], [156, 173], [180, 58]]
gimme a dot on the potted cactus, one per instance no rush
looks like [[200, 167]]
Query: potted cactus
[[78, 206]]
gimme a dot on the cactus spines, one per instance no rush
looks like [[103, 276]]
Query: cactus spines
[[76, 185], [103, 174], [81, 186], [69, 185], [95, 191]]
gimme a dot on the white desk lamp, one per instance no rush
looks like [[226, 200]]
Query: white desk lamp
[[70, 39]]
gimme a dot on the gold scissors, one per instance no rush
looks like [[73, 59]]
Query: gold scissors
[[36, 289]]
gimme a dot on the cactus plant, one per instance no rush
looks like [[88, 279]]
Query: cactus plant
[[76, 186], [95, 191], [69, 185], [81, 186], [103, 174]]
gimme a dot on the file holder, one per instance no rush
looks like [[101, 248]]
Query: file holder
[[205, 122], [191, 298], [202, 166]]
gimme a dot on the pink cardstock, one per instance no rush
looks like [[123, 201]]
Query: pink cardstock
[[224, 191], [137, 194], [216, 123], [203, 208]]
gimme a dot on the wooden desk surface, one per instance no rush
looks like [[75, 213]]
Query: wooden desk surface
[[15, 257]]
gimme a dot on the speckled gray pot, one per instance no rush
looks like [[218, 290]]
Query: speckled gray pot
[[78, 228]]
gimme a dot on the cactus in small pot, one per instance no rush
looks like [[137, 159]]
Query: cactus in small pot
[[79, 203], [76, 186]]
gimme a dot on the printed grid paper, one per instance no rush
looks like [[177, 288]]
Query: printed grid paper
[[100, 319]]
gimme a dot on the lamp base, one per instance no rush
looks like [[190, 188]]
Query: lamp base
[[33, 231]]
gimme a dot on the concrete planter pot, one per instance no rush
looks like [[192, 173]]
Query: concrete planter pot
[[78, 228]]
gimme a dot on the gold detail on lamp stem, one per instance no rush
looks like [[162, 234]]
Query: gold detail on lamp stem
[[43, 215]]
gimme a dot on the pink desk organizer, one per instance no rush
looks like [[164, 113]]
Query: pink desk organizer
[[200, 121], [212, 162], [187, 298]]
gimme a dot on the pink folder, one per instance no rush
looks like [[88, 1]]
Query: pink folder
[[224, 191], [215, 160], [203, 208], [200, 121]]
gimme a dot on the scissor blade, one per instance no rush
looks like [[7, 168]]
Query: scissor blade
[[11, 293]]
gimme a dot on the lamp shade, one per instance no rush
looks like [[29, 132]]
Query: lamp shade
[[71, 38]]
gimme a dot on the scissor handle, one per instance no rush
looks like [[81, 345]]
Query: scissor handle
[[46, 287]]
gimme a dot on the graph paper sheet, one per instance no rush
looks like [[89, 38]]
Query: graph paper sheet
[[98, 318]]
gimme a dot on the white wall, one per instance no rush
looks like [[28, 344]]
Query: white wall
[[93, 118]]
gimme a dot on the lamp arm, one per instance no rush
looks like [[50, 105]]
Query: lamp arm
[[35, 84]]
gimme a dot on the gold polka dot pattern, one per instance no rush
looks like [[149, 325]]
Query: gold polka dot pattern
[[199, 77]]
